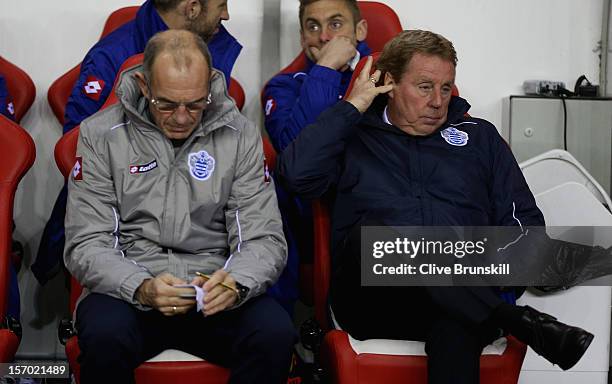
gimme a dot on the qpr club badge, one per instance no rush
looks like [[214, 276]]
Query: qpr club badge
[[455, 137], [201, 165]]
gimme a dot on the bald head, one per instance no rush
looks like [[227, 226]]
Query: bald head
[[176, 81], [184, 48]]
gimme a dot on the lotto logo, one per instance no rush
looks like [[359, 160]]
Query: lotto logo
[[77, 170], [270, 106], [10, 108], [134, 169], [93, 88]]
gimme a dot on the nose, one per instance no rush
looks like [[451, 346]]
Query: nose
[[181, 115], [325, 35], [436, 98], [225, 14]]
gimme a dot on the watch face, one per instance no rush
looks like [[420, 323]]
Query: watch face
[[242, 292]]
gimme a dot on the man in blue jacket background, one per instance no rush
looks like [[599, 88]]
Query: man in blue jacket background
[[99, 69], [332, 34]]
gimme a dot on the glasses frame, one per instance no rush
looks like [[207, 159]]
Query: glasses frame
[[192, 107]]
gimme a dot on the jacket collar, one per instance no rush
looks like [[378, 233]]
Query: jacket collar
[[219, 113], [148, 23], [373, 117]]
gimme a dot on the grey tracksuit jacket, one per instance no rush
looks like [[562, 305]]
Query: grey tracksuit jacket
[[135, 209]]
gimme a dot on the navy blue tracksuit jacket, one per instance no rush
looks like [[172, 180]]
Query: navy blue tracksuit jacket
[[463, 174]]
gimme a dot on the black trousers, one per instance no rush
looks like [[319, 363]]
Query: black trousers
[[255, 340], [454, 322]]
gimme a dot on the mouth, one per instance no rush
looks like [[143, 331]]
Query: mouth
[[430, 120]]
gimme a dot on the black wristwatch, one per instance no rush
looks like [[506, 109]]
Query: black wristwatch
[[242, 292]]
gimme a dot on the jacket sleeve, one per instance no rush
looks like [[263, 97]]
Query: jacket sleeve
[[92, 88], [5, 99], [292, 101], [93, 254], [255, 231], [513, 201], [311, 164]]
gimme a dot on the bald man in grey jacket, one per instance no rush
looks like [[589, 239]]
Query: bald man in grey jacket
[[169, 183]]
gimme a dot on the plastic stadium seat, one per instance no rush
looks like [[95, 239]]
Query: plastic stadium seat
[[572, 202], [60, 90], [170, 365], [20, 86], [118, 18], [17, 154]]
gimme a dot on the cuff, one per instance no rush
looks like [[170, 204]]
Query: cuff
[[128, 287]]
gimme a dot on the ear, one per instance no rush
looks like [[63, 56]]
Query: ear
[[361, 30], [193, 9], [389, 81], [142, 84]]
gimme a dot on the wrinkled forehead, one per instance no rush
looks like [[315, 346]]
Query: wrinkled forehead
[[170, 68]]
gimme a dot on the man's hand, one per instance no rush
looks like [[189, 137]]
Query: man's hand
[[365, 90], [217, 297], [160, 294], [335, 54]]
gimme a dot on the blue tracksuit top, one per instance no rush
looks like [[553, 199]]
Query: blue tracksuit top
[[294, 100], [463, 174], [7, 108], [101, 64]]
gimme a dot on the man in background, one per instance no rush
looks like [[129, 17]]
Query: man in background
[[332, 34]]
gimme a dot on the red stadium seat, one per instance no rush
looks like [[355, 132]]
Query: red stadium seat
[[60, 90], [150, 372], [20, 87], [118, 18], [17, 154]]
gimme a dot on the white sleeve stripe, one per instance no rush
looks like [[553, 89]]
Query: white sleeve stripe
[[523, 231], [227, 261], [465, 122], [239, 230], [116, 230], [119, 125]]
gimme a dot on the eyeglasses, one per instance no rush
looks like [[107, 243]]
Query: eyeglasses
[[169, 107]]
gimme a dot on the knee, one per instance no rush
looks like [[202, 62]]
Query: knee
[[453, 337], [102, 329], [271, 333], [277, 335]]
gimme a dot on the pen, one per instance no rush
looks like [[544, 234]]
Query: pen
[[207, 277]]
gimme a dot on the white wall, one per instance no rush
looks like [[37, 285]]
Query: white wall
[[500, 44]]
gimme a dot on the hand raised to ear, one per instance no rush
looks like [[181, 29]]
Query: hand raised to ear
[[364, 89]]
